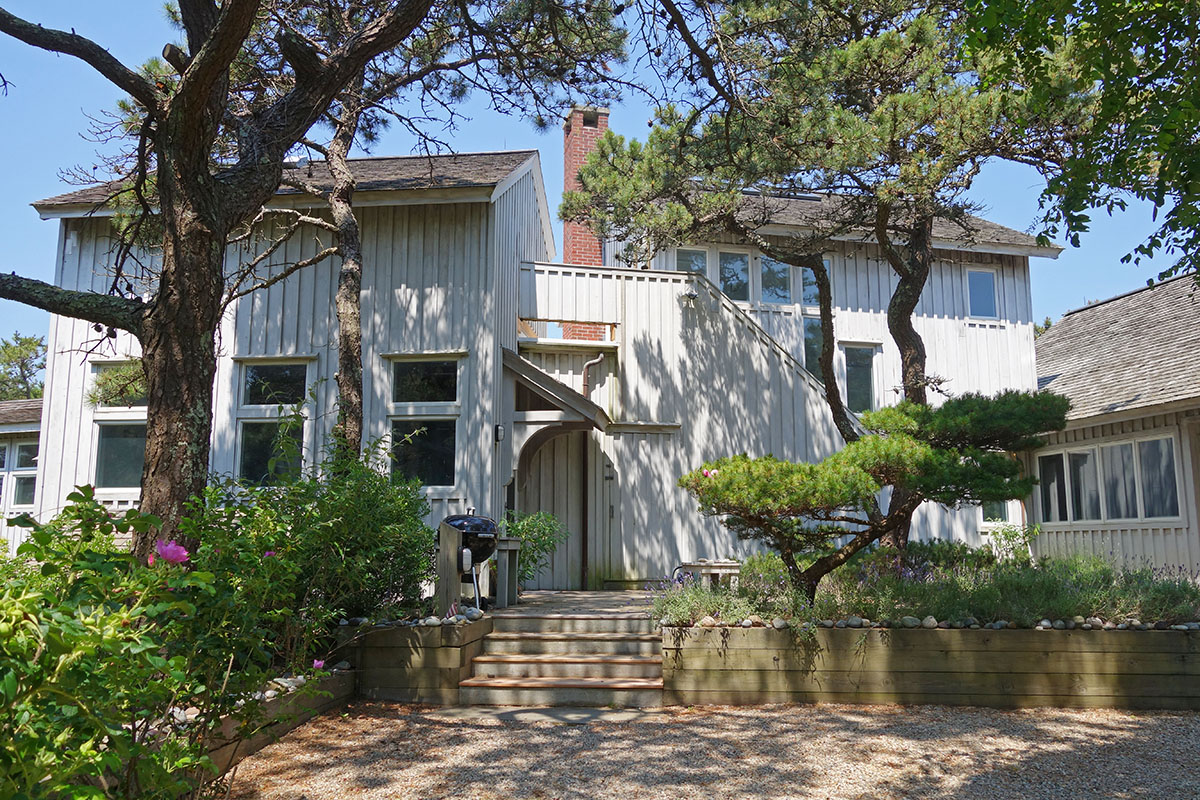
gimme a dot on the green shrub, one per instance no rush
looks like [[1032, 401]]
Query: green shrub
[[686, 601], [540, 533], [765, 585]]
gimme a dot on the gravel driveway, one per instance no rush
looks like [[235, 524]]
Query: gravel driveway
[[385, 750]]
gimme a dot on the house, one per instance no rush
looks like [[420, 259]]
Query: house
[[585, 389], [1121, 480], [20, 421]]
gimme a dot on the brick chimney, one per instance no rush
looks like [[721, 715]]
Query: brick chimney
[[583, 128]]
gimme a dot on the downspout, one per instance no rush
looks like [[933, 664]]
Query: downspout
[[585, 523]]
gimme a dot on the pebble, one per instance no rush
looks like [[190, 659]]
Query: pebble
[[854, 622], [342, 665], [756, 620], [1059, 625], [1045, 623], [944, 625], [707, 622], [1179, 627], [473, 613], [826, 623], [1087, 626], [746, 623], [1078, 620], [1124, 626], [929, 622], [1095, 622], [841, 623], [431, 622], [779, 623], [911, 622]]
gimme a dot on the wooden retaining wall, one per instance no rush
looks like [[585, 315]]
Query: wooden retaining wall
[[1000, 669], [418, 665]]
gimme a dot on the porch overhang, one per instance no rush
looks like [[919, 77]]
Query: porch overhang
[[572, 406]]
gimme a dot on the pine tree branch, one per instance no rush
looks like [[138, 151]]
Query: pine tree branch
[[115, 312]]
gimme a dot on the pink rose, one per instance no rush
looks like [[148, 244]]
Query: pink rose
[[172, 552]]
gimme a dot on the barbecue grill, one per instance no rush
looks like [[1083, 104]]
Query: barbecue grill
[[476, 542]]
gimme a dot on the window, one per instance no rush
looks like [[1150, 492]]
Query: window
[[425, 382], [27, 455], [687, 260], [271, 450], [426, 396], [1156, 459], [1111, 482], [860, 380], [813, 339], [981, 293], [735, 275], [273, 384], [809, 295], [120, 452], [995, 511], [427, 455], [1085, 486], [1120, 481], [118, 385], [1053, 488], [776, 281]]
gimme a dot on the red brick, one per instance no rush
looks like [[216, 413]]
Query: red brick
[[580, 245]]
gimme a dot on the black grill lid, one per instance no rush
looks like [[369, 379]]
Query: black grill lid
[[472, 523]]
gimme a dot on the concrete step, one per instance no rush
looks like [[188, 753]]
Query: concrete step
[[617, 644], [566, 666], [571, 623], [595, 692]]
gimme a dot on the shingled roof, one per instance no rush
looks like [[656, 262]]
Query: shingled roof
[[805, 211], [1134, 351], [399, 173], [13, 412]]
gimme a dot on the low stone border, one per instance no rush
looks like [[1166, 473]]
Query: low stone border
[[421, 664], [982, 667]]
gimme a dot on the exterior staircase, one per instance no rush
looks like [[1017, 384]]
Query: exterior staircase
[[549, 659]]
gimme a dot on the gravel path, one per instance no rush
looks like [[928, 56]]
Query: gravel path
[[385, 750]]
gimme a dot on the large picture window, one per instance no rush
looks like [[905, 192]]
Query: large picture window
[[1119, 481], [120, 452]]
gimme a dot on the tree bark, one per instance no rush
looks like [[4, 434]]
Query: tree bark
[[349, 430]]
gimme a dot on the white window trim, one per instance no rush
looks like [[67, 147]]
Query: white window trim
[[876, 349], [713, 273], [995, 292], [113, 413], [987, 526], [433, 411], [1105, 520], [268, 413], [12, 472]]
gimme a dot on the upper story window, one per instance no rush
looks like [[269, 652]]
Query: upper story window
[[270, 442], [982, 299], [1120, 481], [425, 418], [19, 467], [688, 260], [809, 295], [776, 280], [119, 385], [120, 454], [735, 275]]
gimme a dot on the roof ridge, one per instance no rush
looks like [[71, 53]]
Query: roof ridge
[[1151, 284]]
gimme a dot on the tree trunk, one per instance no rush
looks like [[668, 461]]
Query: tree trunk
[[349, 430], [179, 358]]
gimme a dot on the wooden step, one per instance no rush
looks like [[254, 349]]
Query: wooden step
[[515, 665], [572, 623], [564, 683], [573, 643], [594, 692]]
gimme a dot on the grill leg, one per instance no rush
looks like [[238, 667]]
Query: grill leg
[[475, 582]]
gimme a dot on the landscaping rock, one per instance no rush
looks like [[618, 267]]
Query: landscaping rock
[[459, 619], [1162, 625], [854, 622], [432, 622], [957, 624], [473, 613], [1095, 622], [1143, 626], [1012, 626], [911, 622], [1059, 625], [1046, 623], [1179, 627], [944, 625], [779, 624], [722, 623], [1071, 624], [1124, 626], [1000, 624], [756, 620], [929, 622], [341, 665], [270, 694], [707, 622], [970, 622], [746, 623], [975, 627], [841, 623], [1087, 626], [1193, 626], [1078, 620], [826, 623], [1110, 626]]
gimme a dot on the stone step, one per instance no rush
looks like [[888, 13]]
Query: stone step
[[572, 623], [566, 666], [595, 692], [627, 644]]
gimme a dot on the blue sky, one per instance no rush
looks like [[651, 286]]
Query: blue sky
[[46, 112]]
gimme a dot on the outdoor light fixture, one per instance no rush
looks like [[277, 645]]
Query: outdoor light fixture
[[500, 433]]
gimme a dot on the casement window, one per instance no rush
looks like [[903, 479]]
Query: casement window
[[270, 444], [775, 278], [1131, 480], [734, 274], [18, 469], [995, 512], [982, 299], [689, 260], [424, 421], [120, 454], [860, 378]]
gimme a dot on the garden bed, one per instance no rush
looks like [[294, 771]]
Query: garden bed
[[994, 668], [418, 664]]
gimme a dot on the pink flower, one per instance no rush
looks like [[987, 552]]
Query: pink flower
[[706, 473], [172, 551], [150, 560], [268, 554], [318, 664]]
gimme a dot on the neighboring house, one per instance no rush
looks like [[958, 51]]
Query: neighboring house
[[20, 421], [583, 389], [1121, 480]]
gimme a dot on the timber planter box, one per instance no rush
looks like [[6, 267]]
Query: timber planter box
[[1001, 669], [418, 664]]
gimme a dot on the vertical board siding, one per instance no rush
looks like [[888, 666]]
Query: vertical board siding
[[1173, 546]]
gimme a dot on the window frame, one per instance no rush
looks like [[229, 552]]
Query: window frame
[[987, 525], [244, 412], [419, 412], [712, 253], [876, 348], [995, 275], [1106, 521], [10, 473], [99, 425]]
